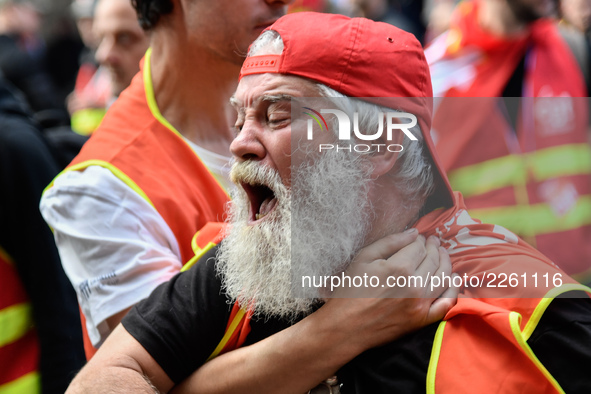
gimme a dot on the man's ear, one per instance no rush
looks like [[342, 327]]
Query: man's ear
[[385, 153]]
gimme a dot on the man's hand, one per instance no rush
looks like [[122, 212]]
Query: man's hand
[[399, 297], [298, 358], [295, 360]]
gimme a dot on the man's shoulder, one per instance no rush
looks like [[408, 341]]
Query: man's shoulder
[[205, 266], [98, 182], [492, 261], [492, 267]]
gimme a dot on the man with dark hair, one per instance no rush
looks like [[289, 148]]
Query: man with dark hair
[[121, 44], [149, 11], [309, 198], [155, 171]]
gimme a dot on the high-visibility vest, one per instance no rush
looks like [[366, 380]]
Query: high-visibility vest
[[534, 184], [19, 345], [238, 326], [515, 179], [482, 347], [141, 148], [483, 340]]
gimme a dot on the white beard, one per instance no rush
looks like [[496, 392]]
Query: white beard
[[261, 265]]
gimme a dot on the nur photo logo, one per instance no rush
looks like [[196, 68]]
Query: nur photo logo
[[344, 130]]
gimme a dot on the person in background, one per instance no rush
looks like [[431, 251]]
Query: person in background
[[577, 13], [83, 13], [575, 27], [155, 171], [520, 163], [121, 43], [87, 103], [22, 55], [40, 340], [437, 16]]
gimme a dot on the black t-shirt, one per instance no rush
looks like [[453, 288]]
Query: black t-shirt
[[183, 320]]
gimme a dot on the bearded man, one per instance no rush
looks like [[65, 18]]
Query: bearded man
[[302, 211]]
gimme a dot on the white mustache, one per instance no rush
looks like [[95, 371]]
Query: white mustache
[[257, 263], [253, 173]]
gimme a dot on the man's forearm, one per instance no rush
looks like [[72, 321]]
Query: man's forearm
[[305, 354], [112, 380], [121, 365]]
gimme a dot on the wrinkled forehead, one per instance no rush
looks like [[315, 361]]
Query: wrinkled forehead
[[254, 88]]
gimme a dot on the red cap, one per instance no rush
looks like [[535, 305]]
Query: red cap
[[358, 58]]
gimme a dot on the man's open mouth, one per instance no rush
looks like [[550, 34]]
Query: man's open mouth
[[262, 200]]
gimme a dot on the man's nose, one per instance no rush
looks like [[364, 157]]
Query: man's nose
[[106, 53], [248, 145]]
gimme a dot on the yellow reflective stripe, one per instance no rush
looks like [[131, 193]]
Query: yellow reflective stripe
[[85, 121], [197, 256], [514, 322], [533, 321], [564, 160], [116, 171], [227, 334], [521, 336], [194, 245], [488, 175], [196, 249], [435, 351], [153, 105], [536, 219], [15, 321], [27, 384], [150, 97]]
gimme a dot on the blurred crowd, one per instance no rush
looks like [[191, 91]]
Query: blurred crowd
[[58, 82]]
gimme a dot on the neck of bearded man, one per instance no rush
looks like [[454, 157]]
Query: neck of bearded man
[[393, 212], [332, 210]]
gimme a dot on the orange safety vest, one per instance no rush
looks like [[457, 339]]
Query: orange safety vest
[[19, 345], [482, 341], [481, 346], [140, 147]]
